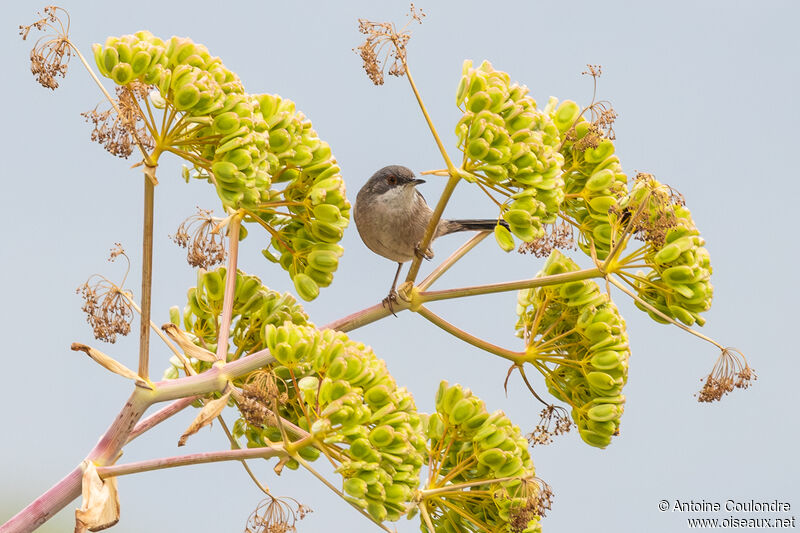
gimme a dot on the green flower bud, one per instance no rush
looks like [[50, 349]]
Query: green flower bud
[[306, 287], [504, 238]]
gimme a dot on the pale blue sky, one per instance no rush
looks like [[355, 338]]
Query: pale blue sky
[[706, 97]]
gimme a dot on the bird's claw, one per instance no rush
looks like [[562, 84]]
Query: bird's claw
[[428, 254], [390, 300]]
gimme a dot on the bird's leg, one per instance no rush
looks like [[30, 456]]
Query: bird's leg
[[389, 300]]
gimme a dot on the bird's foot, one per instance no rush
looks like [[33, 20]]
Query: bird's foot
[[390, 300], [428, 254]]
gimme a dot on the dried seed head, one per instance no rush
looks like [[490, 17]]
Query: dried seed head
[[118, 132], [538, 502], [557, 235], [51, 53], [653, 220], [276, 515], [260, 394], [205, 245], [554, 421], [107, 309], [379, 34], [731, 371], [602, 117]]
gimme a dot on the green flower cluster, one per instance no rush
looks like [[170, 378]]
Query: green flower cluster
[[593, 179], [341, 393], [576, 338], [679, 282], [254, 308], [468, 445], [244, 144], [512, 147]]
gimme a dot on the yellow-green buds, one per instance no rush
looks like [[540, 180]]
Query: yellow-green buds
[[575, 331], [510, 144], [244, 145], [467, 444]]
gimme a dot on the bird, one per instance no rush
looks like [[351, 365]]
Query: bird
[[391, 217]]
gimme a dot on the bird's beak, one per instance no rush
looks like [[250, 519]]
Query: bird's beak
[[417, 181]]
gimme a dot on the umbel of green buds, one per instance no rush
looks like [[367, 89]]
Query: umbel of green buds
[[254, 307], [468, 444], [679, 280], [576, 337], [593, 179], [342, 394], [510, 146], [259, 152]]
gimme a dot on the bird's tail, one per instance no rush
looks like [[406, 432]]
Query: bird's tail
[[452, 226]]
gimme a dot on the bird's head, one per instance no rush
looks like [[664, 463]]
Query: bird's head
[[392, 178]]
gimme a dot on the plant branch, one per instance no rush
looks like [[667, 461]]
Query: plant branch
[[147, 279], [448, 189], [450, 261], [191, 459], [159, 416], [230, 286], [586, 273], [672, 321], [515, 357]]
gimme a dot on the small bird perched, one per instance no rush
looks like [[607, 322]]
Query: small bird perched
[[391, 216]]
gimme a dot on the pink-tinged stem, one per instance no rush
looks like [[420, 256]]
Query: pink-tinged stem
[[230, 287], [106, 451], [159, 416], [364, 317], [191, 459]]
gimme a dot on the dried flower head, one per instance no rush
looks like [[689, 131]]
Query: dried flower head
[[118, 132], [107, 309], [654, 215], [276, 515], [51, 53], [379, 34], [204, 243], [537, 503], [554, 421], [602, 117], [731, 371], [557, 235], [260, 395]]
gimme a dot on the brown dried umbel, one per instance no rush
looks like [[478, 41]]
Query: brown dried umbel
[[554, 421], [536, 505], [379, 34], [204, 243], [107, 309], [653, 220], [602, 117], [118, 132], [51, 53], [559, 236], [276, 515], [731, 371], [260, 395]]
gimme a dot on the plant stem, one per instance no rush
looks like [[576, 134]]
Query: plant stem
[[230, 287], [515, 357], [450, 261], [365, 316], [191, 459], [586, 273], [448, 188], [147, 280], [159, 416], [684, 327]]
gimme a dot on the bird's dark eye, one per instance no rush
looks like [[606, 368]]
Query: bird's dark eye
[[392, 179]]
